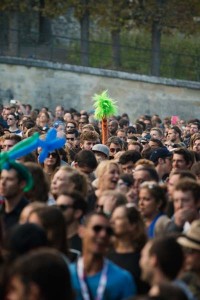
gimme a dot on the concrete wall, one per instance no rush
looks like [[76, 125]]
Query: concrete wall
[[43, 83]]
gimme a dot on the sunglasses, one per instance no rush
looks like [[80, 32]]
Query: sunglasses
[[82, 123], [53, 154], [11, 119], [112, 150], [99, 228], [64, 207], [70, 127], [70, 139]]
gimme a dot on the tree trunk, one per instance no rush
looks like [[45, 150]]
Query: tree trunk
[[13, 34], [116, 55], [156, 40], [85, 23]]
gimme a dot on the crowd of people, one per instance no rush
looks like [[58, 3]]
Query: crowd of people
[[107, 221]]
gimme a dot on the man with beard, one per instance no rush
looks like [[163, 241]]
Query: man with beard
[[73, 207]]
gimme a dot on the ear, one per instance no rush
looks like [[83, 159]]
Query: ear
[[75, 165], [34, 292], [78, 213], [81, 231], [160, 161], [22, 184]]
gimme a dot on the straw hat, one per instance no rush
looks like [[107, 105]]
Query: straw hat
[[192, 238]]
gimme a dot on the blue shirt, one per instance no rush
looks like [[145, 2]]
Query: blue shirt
[[120, 284]]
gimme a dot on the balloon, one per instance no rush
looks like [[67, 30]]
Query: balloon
[[50, 144]]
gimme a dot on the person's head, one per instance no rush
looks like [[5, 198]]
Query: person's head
[[156, 133], [196, 169], [115, 145], [71, 124], [142, 174], [12, 183], [128, 159], [196, 144], [194, 127], [52, 161], [152, 199], [71, 135], [73, 206], [59, 112], [186, 194], [162, 256], [109, 200], [131, 131], [67, 179], [175, 176], [43, 119], [121, 133], [67, 116], [9, 140], [40, 189], [12, 120], [123, 123], [51, 219], [190, 242], [85, 161], [95, 234], [174, 134], [125, 182], [40, 275], [182, 159], [28, 209], [101, 152], [127, 222], [155, 143], [134, 145], [162, 160], [24, 238], [107, 173], [112, 127], [88, 139]]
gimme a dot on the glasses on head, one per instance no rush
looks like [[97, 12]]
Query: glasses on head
[[64, 207], [53, 154], [70, 139], [99, 228], [113, 150]]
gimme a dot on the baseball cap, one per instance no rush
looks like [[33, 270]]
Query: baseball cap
[[160, 153], [101, 148]]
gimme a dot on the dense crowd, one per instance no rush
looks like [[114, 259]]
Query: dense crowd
[[107, 221]]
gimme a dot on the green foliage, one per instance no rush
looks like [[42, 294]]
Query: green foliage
[[104, 106]]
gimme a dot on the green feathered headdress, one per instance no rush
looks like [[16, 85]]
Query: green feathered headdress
[[104, 106]]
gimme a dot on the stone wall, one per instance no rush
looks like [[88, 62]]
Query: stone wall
[[43, 83]]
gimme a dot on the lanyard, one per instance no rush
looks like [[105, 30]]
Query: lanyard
[[84, 288]]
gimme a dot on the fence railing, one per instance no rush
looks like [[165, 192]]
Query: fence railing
[[67, 50]]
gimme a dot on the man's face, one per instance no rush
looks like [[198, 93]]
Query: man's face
[[11, 121], [5, 113], [7, 145], [179, 163], [172, 135], [122, 135], [59, 112], [196, 146], [66, 205], [167, 165], [183, 199], [128, 167], [153, 145], [193, 129], [70, 140], [173, 179], [87, 145], [112, 127], [10, 186], [155, 134], [145, 263], [140, 176], [95, 236], [114, 148], [192, 260]]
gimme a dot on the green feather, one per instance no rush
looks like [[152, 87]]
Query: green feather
[[104, 106]]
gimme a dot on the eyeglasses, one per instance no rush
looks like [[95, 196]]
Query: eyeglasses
[[53, 154], [99, 228], [70, 139], [64, 207], [112, 150]]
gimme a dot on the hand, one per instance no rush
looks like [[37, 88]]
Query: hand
[[184, 215]]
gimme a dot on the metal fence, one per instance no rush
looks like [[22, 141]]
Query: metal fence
[[67, 50]]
